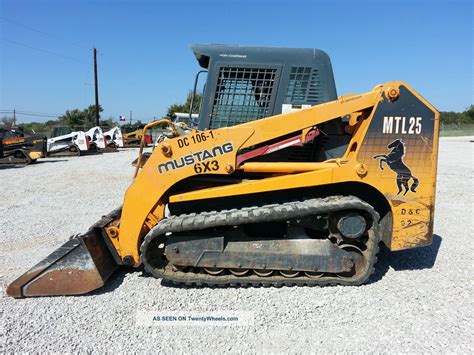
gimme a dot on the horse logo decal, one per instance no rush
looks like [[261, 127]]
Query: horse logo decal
[[394, 160]]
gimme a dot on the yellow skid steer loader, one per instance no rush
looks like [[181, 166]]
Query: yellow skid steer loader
[[301, 197]]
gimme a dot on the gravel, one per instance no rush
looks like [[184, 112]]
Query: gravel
[[418, 300]]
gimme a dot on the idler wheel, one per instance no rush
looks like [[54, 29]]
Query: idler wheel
[[351, 225]]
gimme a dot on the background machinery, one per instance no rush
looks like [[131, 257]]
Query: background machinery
[[114, 138], [20, 147], [96, 139], [132, 136], [65, 142], [287, 197]]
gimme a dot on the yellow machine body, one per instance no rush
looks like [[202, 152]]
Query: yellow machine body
[[412, 214], [134, 135], [390, 161]]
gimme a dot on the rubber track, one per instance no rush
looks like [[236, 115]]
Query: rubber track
[[254, 214], [9, 158], [63, 154]]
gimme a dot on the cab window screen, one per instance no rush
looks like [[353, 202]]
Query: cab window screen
[[242, 95], [304, 86]]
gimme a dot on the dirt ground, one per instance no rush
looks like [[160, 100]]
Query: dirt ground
[[417, 300]]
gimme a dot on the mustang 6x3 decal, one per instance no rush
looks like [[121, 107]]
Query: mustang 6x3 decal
[[197, 157], [394, 160]]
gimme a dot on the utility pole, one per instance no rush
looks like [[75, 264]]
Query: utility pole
[[130, 117], [96, 84], [14, 117]]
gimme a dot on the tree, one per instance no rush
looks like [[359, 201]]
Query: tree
[[133, 126], [7, 121], [184, 107], [458, 118], [76, 117], [90, 114], [109, 122], [470, 112]]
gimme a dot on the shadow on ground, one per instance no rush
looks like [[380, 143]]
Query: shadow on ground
[[11, 166], [412, 259], [39, 162], [114, 281], [49, 161]]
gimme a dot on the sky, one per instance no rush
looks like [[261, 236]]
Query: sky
[[145, 63]]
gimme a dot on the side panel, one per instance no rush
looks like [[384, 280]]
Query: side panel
[[400, 151]]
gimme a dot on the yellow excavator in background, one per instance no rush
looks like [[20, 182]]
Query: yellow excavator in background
[[132, 136], [304, 197]]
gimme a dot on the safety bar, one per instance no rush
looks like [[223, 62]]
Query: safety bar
[[142, 142]]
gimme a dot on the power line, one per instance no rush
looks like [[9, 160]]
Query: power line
[[41, 32], [42, 50], [32, 112], [37, 114], [47, 116]]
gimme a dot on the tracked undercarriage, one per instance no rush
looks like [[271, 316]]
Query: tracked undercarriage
[[311, 242], [71, 151], [17, 157]]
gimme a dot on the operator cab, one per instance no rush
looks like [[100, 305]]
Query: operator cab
[[246, 83], [58, 131]]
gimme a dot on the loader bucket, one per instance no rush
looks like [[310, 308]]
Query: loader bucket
[[82, 264]]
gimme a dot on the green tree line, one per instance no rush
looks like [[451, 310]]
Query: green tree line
[[185, 107], [76, 119], [85, 119], [458, 118]]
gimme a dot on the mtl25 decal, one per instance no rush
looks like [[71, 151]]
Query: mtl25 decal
[[402, 125]]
